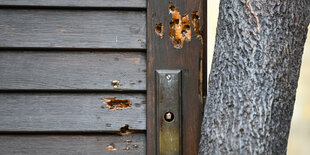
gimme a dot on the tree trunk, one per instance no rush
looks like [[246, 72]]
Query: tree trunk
[[254, 76]]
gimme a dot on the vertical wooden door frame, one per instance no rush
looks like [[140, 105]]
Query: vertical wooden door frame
[[165, 52]]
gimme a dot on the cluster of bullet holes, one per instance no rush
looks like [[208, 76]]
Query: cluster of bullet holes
[[179, 27], [128, 146]]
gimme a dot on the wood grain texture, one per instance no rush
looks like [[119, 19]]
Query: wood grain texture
[[69, 112], [72, 70], [72, 28], [189, 59], [72, 145], [77, 3]]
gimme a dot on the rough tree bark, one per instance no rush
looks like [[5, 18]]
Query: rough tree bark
[[254, 76]]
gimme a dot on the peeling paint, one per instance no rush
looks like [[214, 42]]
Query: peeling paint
[[159, 30], [180, 27], [117, 104]]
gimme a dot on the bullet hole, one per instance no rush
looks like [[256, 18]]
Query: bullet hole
[[159, 29], [128, 142], [125, 130], [127, 148], [171, 8], [195, 22], [180, 27], [115, 83], [111, 147], [117, 104], [136, 146]]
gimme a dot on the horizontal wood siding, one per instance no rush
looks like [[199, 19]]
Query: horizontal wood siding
[[72, 70], [35, 28], [73, 145], [77, 3], [58, 59], [69, 112]]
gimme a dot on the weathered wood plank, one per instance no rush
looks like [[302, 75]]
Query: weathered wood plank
[[69, 70], [69, 112], [72, 28], [77, 3], [73, 145]]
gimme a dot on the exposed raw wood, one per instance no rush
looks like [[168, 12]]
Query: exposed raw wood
[[72, 28], [77, 3], [69, 112], [73, 145], [190, 59], [66, 70]]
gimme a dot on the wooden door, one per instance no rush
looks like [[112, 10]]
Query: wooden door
[[74, 74], [177, 41]]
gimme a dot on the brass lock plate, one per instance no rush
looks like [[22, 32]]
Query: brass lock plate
[[168, 113]]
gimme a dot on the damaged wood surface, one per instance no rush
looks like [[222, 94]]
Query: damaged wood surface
[[180, 27], [50, 28], [72, 70], [133, 144], [117, 104], [191, 59], [77, 3], [69, 112]]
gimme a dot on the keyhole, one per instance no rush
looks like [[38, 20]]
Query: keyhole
[[169, 116]]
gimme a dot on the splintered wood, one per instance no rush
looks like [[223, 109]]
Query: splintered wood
[[180, 27], [117, 104], [195, 22], [160, 30]]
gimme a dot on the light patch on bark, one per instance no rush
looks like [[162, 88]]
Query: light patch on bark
[[248, 4]]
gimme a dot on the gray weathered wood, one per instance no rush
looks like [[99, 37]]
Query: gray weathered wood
[[72, 28], [133, 144], [72, 70], [77, 3], [69, 112], [254, 76]]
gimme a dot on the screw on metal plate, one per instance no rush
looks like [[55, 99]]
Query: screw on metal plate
[[168, 77]]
